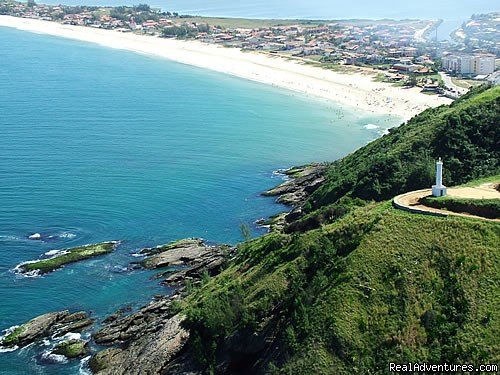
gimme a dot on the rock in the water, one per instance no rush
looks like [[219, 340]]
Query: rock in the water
[[120, 330], [177, 253], [146, 341], [193, 253], [35, 237], [304, 181], [71, 348], [66, 256], [50, 324]]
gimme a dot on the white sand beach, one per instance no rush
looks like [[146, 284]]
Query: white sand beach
[[356, 90]]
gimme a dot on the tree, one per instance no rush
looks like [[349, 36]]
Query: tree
[[142, 8], [31, 3], [412, 80]]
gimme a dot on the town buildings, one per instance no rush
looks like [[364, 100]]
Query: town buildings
[[469, 64]]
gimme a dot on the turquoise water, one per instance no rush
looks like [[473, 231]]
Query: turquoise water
[[99, 144]]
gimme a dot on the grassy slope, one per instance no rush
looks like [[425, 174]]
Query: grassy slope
[[377, 286], [372, 284], [489, 208]]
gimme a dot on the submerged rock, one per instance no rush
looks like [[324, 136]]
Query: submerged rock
[[46, 325], [58, 258]]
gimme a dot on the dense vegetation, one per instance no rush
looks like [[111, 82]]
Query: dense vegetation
[[489, 208], [464, 134], [355, 284]]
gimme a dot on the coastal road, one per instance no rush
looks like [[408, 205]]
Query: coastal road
[[450, 86]]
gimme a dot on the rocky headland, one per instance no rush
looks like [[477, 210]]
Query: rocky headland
[[128, 342], [151, 340]]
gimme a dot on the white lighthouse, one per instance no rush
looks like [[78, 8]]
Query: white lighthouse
[[439, 190]]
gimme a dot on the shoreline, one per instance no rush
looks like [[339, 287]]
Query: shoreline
[[356, 90]]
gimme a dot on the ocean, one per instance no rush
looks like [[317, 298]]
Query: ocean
[[99, 144]]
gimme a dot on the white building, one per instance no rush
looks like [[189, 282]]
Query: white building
[[483, 64], [479, 64], [460, 64]]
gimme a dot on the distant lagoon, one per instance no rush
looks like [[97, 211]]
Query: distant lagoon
[[451, 11]]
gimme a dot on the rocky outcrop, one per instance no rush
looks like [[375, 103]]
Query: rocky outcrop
[[148, 353], [55, 259], [71, 348], [303, 182], [47, 325], [130, 327], [145, 341], [177, 253], [192, 257]]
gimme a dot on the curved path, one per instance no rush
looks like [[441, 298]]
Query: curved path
[[411, 201]]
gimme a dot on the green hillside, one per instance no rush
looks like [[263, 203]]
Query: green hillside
[[356, 284], [464, 134]]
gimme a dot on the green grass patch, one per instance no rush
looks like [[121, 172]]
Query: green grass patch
[[484, 180], [465, 83], [71, 348], [12, 339], [375, 286], [488, 208], [246, 23]]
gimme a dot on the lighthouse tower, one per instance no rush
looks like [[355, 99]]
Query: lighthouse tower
[[439, 190]]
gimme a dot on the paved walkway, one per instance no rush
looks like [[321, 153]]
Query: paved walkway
[[410, 201]]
